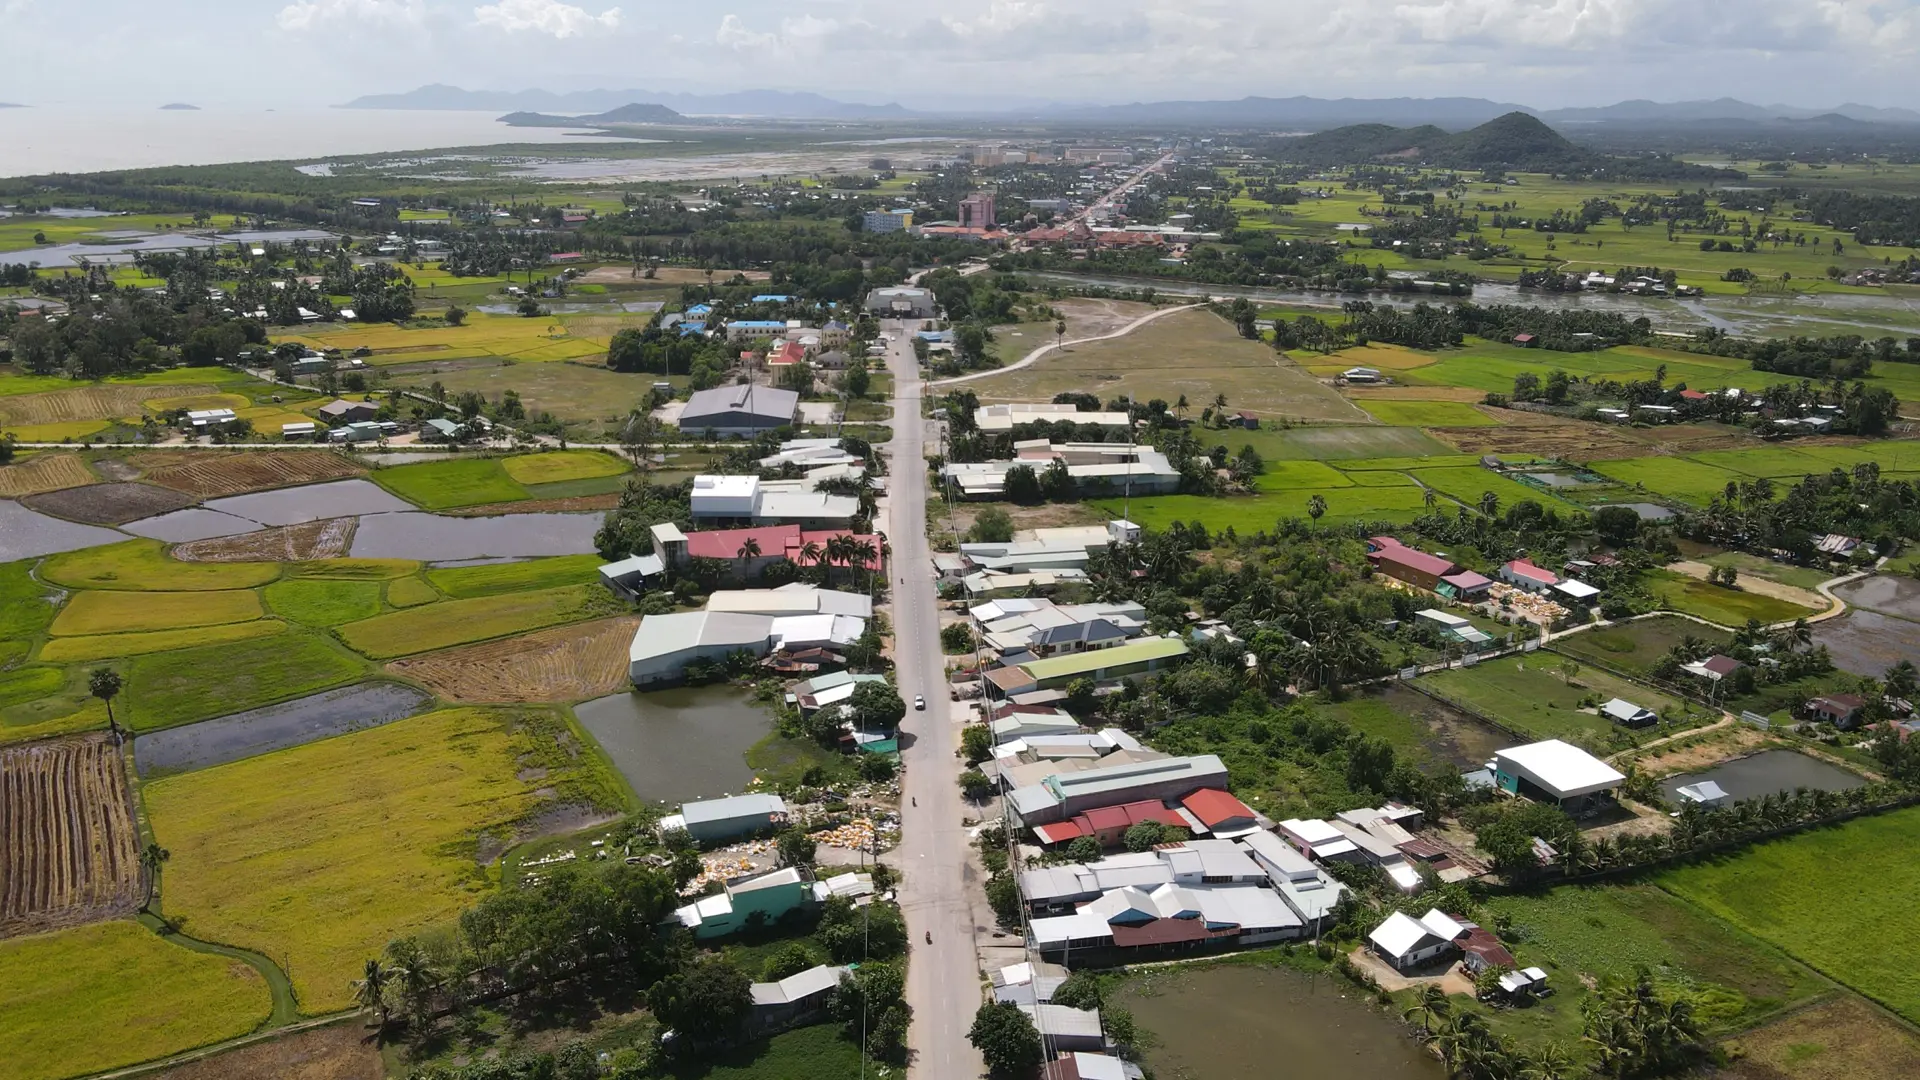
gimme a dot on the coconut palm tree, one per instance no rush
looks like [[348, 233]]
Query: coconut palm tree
[[105, 683], [1430, 1008], [811, 555], [1489, 503], [867, 554], [370, 991], [1316, 506], [1429, 497], [749, 551], [151, 857]]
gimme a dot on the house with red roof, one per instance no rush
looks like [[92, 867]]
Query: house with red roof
[[1522, 574], [787, 355], [1694, 395], [1223, 815], [1109, 824], [775, 543], [1411, 565]]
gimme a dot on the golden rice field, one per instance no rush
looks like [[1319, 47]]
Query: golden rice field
[[80, 650], [508, 337], [42, 473], [102, 402], [131, 612], [325, 852]]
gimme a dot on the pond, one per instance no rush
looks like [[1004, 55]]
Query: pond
[[1767, 772], [434, 538], [1240, 1022], [312, 502], [674, 745], [193, 523], [1867, 642]]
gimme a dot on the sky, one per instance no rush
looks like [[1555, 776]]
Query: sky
[[963, 53]]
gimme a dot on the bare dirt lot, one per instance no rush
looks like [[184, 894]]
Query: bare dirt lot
[[89, 403], [568, 663], [44, 472], [1195, 354], [571, 504], [1542, 435], [343, 1051], [208, 475], [1091, 317], [67, 841], [110, 504], [327, 539], [1759, 586]]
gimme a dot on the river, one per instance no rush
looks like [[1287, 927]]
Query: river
[[72, 140], [1240, 1022]]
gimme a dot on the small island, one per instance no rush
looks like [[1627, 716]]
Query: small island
[[634, 113], [179, 107], [10, 105]]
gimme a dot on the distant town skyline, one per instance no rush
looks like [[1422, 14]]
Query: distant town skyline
[[963, 54]]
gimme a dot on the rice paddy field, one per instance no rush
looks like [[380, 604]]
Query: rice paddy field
[[467, 582], [178, 687], [562, 466], [447, 485], [1726, 607], [122, 612], [142, 566], [111, 994], [505, 337], [1426, 414], [459, 622], [1821, 897], [323, 853]]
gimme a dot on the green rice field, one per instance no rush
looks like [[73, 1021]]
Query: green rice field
[[458, 622], [448, 485]]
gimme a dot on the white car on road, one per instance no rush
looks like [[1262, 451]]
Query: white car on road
[[920, 702]]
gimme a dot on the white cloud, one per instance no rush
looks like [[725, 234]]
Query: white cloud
[[733, 34], [545, 17], [304, 15]]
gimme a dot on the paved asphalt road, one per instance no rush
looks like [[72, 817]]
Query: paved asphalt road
[[943, 980]]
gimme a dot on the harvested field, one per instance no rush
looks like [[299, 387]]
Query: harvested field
[[209, 475], [1841, 1039], [574, 504], [1541, 435], [668, 275], [566, 664], [341, 1051], [103, 402], [44, 472], [110, 504], [68, 850], [291, 543]]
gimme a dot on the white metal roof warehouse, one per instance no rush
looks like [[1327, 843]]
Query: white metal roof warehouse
[[1553, 771]]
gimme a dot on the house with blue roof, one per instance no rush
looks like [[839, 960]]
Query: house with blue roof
[[698, 310], [751, 329], [688, 329], [772, 298]]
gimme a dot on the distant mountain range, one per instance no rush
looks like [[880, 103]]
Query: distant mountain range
[[1517, 141], [179, 106], [633, 113], [1455, 113], [775, 104]]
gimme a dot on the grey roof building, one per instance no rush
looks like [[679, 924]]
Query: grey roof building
[[1061, 796], [711, 821], [901, 302], [742, 410]]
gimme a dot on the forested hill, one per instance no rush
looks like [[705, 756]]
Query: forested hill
[[1515, 141], [632, 113]]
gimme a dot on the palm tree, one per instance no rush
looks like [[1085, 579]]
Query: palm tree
[[104, 683], [1060, 334], [151, 857], [370, 992], [1180, 407], [1550, 1062], [1316, 506], [1489, 503], [810, 556], [867, 554], [413, 976], [1429, 497], [749, 551], [1429, 1008]]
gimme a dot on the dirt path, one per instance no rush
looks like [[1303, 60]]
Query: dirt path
[[1724, 720], [1043, 350], [1759, 586]]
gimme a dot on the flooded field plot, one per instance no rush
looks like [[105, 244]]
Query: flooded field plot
[[110, 504], [674, 745], [1867, 642], [25, 534], [194, 523], [276, 727], [1765, 773], [1889, 595], [432, 538], [314, 502]]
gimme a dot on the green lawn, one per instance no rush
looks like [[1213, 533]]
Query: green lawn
[[164, 689], [1825, 897], [446, 485], [111, 994], [1426, 414], [465, 582], [1727, 607], [1257, 513], [1529, 694], [809, 1053], [1635, 647], [323, 601]]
